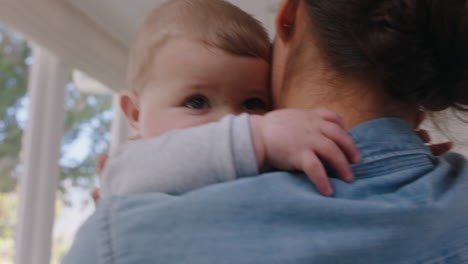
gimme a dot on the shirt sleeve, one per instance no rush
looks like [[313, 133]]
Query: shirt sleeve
[[182, 160]]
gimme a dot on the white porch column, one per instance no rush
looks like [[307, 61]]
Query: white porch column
[[41, 152], [120, 129]]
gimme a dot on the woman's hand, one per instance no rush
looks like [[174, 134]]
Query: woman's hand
[[100, 163], [301, 140], [437, 149]]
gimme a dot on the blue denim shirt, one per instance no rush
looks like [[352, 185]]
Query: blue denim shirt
[[406, 206]]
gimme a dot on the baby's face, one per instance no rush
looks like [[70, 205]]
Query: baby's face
[[192, 84]]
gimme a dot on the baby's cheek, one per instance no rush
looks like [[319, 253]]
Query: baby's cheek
[[151, 129], [262, 112], [191, 121], [153, 125]]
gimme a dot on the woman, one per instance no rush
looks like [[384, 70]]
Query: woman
[[375, 63]]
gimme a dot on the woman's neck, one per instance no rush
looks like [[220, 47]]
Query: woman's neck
[[354, 100]]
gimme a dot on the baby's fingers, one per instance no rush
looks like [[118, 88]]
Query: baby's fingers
[[331, 153], [330, 116], [423, 135], [437, 149], [442, 148], [343, 140], [315, 171], [95, 195]]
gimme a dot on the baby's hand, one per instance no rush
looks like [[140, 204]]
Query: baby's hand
[[300, 139]]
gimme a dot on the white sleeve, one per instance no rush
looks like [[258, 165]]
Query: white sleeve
[[182, 160]]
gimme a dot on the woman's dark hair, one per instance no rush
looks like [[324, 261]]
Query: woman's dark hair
[[417, 50]]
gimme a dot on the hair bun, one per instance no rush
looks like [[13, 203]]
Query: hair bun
[[416, 50], [449, 29], [431, 62]]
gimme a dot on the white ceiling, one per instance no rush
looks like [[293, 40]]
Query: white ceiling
[[122, 18]]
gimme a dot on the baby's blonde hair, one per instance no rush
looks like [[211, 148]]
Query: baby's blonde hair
[[215, 23]]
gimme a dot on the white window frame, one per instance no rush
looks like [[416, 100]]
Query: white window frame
[[40, 155]]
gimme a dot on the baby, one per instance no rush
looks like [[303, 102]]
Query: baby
[[193, 63]]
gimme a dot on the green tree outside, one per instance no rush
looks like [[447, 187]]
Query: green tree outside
[[87, 115]]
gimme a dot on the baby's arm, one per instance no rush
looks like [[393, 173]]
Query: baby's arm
[[182, 160], [234, 147]]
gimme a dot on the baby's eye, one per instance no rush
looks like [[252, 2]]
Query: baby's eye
[[254, 104], [197, 102]]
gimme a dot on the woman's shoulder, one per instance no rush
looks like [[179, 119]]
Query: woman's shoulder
[[456, 160]]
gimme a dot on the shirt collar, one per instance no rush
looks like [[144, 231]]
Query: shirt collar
[[386, 145]]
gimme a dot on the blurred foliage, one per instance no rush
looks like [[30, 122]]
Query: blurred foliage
[[87, 120], [8, 204], [14, 57]]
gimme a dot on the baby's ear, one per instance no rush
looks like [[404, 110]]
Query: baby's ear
[[129, 105]]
